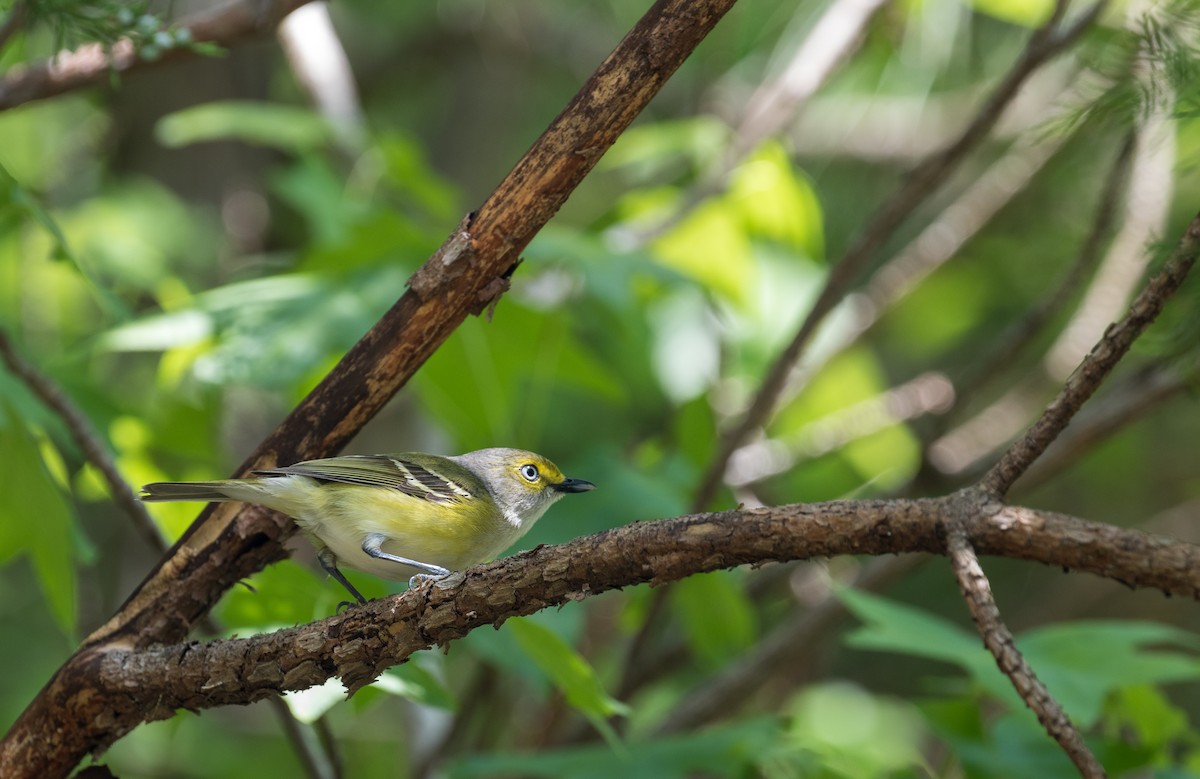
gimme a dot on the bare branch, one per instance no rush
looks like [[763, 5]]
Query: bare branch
[[69, 70], [920, 183], [1000, 642], [1096, 366], [1124, 403], [85, 437], [114, 687]]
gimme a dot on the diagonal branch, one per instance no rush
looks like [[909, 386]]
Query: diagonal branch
[[920, 183], [467, 275], [1096, 366], [1128, 400], [1000, 642]]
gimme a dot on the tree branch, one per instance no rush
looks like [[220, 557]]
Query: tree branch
[[89, 64], [468, 274], [920, 183], [1096, 366], [114, 687], [1000, 642], [1126, 401]]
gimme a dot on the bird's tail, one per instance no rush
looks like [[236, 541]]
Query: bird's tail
[[206, 491]]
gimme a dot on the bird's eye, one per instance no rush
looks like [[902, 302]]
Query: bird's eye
[[530, 472]]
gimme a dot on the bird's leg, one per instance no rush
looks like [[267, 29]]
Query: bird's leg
[[328, 561], [373, 542]]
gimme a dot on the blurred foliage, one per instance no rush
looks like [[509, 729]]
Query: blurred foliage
[[187, 255]]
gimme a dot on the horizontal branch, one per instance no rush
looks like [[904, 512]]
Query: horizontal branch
[[114, 689]]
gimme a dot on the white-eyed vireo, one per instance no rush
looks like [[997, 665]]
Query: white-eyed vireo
[[399, 516]]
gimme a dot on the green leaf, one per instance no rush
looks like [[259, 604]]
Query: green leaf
[[711, 246], [288, 128], [1081, 663], [1016, 746], [1144, 715], [776, 203], [567, 669], [646, 151], [895, 627], [717, 615], [1030, 13], [490, 383], [36, 519], [850, 733]]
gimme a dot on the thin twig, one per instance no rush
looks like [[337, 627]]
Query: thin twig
[[1121, 406], [999, 640], [918, 185], [85, 437], [93, 63], [1104, 356]]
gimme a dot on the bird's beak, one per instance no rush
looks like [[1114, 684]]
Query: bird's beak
[[573, 485]]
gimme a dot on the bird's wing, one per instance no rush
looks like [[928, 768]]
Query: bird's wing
[[446, 482]]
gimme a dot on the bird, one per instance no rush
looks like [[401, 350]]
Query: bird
[[412, 516]]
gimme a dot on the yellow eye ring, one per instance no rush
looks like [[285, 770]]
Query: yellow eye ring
[[529, 471]]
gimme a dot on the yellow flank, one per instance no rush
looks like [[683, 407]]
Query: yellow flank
[[441, 513], [452, 535]]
